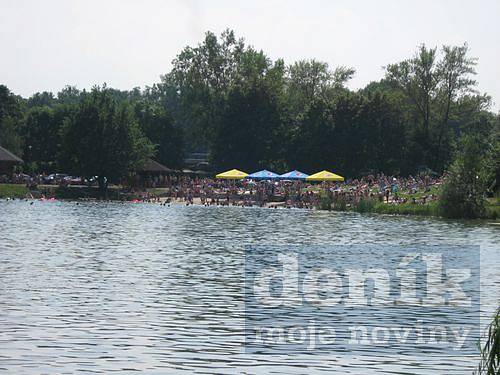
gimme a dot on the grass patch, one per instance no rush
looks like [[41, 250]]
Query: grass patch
[[493, 208], [431, 208], [418, 195], [375, 206], [13, 191]]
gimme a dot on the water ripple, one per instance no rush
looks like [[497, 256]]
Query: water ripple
[[109, 287]]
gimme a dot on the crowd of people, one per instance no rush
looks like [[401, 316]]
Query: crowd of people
[[207, 191], [292, 193], [388, 189]]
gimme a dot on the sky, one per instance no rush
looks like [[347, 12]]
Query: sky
[[46, 45]]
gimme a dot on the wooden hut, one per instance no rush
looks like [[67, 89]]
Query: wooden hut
[[8, 161], [152, 174], [152, 167]]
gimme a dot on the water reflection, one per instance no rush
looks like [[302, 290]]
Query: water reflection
[[102, 287]]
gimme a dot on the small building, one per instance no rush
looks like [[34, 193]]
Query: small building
[[153, 174], [152, 167], [8, 161]]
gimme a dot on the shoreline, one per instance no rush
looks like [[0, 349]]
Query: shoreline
[[54, 192], [390, 210]]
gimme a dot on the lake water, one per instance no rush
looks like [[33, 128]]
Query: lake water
[[103, 287]]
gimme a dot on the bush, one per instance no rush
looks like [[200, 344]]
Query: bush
[[365, 205], [339, 203], [463, 192], [325, 202]]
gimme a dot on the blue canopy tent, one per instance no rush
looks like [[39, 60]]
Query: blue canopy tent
[[263, 175], [293, 175]]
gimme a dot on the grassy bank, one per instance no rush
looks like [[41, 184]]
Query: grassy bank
[[372, 206], [71, 192], [433, 208], [13, 191], [114, 192], [428, 209], [493, 208]]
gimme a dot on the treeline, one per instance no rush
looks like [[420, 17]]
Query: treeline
[[250, 112]]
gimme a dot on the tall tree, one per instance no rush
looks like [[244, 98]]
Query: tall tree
[[11, 117], [69, 95], [309, 79], [311, 137], [159, 127], [201, 76], [434, 85], [41, 99], [418, 77], [455, 70], [42, 135], [249, 133], [102, 138]]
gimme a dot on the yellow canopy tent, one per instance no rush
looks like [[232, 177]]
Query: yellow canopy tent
[[325, 176], [233, 174]]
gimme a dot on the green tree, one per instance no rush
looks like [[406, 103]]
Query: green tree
[[41, 99], [42, 135], [69, 95], [454, 70], [466, 182], [102, 138], [376, 137], [159, 127], [248, 133], [201, 77], [310, 79], [311, 148], [434, 84], [353, 134], [418, 78], [11, 118], [225, 98], [494, 160]]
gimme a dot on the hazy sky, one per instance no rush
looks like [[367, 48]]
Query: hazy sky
[[47, 44]]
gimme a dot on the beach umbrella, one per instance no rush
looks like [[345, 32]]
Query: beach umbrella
[[263, 175], [233, 174], [293, 175], [325, 176]]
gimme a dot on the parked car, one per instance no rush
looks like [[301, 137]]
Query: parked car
[[71, 180], [54, 178]]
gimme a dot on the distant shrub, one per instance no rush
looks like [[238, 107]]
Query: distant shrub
[[464, 189], [365, 205], [340, 204], [325, 202]]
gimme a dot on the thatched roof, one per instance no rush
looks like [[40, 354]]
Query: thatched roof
[[6, 155], [153, 166]]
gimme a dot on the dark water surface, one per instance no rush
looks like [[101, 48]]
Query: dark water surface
[[104, 287]]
